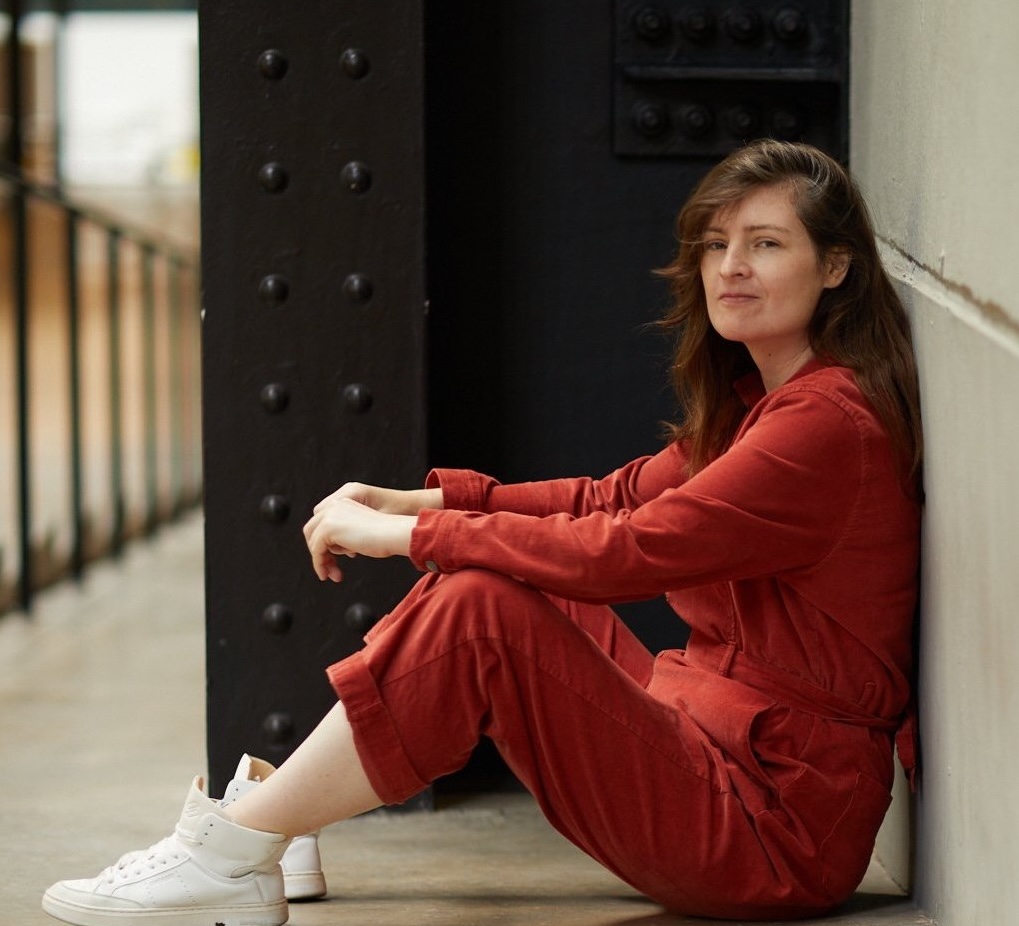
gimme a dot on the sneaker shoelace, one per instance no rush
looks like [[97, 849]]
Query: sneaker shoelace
[[171, 849]]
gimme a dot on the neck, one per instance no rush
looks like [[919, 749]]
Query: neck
[[776, 369]]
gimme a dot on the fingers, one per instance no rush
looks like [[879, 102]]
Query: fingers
[[323, 546], [331, 571], [355, 490], [344, 526]]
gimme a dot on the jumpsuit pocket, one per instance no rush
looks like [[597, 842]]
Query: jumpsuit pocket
[[846, 850], [727, 715]]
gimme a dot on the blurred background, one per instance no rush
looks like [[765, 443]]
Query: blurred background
[[99, 235]]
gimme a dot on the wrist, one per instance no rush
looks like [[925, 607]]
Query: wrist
[[407, 523], [420, 499]]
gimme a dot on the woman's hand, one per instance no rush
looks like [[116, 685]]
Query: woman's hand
[[389, 501], [344, 526]]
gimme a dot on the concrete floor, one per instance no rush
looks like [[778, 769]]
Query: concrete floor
[[102, 729]]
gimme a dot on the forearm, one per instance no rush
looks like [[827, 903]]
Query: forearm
[[626, 488], [412, 501]]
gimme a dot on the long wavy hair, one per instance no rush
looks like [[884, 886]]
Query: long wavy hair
[[860, 324]]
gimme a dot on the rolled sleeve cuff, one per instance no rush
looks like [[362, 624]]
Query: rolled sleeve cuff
[[462, 489], [431, 540], [376, 737]]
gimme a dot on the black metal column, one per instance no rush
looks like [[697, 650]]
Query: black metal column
[[314, 301]]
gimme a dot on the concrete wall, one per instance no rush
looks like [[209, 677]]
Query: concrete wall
[[935, 145]]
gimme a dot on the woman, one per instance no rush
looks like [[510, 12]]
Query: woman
[[744, 777]]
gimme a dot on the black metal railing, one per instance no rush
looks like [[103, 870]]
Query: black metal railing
[[100, 411]]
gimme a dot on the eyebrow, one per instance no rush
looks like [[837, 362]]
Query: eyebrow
[[749, 228]]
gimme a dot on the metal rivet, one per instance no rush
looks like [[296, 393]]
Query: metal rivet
[[355, 62], [742, 121], [275, 508], [651, 24], [697, 24], [790, 25], [274, 289], [358, 288], [743, 24], [272, 177], [650, 119], [275, 397], [278, 728], [277, 618], [357, 397], [696, 120], [359, 617], [272, 64], [356, 177], [788, 125]]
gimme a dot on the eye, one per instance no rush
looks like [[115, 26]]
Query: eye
[[714, 244], [768, 243]]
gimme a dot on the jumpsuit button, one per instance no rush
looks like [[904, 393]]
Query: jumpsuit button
[[431, 566]]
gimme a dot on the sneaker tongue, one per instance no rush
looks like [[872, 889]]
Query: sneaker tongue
[[251, 768], [243, 767], [259, 769], [196, 805]]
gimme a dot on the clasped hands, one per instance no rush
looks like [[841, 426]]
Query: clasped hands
[[364, 520]]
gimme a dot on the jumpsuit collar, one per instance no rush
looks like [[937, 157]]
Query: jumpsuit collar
[[751, 387]]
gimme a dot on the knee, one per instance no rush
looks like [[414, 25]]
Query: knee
[[480, 586], [476, 598]]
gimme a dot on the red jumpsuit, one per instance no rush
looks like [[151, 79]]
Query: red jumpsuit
[[743, 777]]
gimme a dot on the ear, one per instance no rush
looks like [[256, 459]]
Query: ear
[[836, 266]]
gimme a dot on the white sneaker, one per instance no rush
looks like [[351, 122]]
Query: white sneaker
[[210, 870], [301, 863]]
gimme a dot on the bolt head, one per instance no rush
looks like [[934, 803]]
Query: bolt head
[[650, 119], [275, 397], [277, 618], [274, 289], [357, 397], [272, 64], [359, 617], [743, 24], [356, 177], [275, 509], [278, 728], [651, 24], [355, 63], [358, 288], [272, 177]]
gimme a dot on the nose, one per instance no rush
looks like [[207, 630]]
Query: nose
[[734, 263]]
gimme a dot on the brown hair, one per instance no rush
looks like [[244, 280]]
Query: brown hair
[[860, 324]]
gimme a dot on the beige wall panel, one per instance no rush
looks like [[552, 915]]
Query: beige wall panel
[[933, 144], [935, 89]]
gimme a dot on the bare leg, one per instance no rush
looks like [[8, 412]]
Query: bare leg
[[321, 783]]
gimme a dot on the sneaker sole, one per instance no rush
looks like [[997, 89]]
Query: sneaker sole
[[304, 885], [274, 914]]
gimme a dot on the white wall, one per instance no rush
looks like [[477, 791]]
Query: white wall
[[934, 144]]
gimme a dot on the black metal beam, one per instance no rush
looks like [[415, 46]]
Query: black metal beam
[[313, 268]]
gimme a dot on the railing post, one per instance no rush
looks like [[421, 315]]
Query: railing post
[[74, 350], [149, 377], [15, 138], [20, 296], [20, 286], [113, 239], [173, 320]]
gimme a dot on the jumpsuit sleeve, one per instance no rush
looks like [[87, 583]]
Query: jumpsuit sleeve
[[777, 500], [627, 488]]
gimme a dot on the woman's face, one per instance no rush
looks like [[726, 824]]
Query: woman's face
[[762, 279]]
